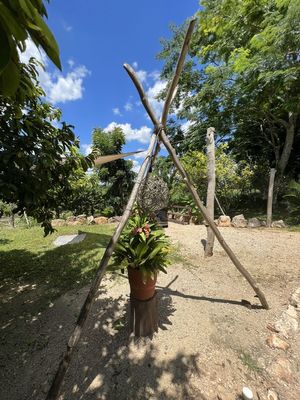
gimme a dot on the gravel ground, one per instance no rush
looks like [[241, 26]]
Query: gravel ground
[[210, 342]]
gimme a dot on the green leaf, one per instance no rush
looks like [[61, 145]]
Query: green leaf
[[5, 50], [9, 79], [11, 24]]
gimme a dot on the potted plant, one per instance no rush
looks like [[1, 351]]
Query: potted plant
[[142, 249]]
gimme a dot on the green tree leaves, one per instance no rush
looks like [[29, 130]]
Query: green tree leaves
[[19, 21]]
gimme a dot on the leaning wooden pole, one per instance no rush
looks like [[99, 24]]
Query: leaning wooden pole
[[74, 338], [186, 178]]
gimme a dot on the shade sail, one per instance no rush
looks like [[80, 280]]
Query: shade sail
[[112, 157]]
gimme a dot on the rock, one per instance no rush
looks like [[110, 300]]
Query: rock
[[75, 223], [224, 221], [101, 220], [272, 395], [71, 218], [295, 299], [81, 218], [90, 220], [247, 393], [114, 219], [239, 221], [254, 223], [275, 342], [58, 222], [281, 369], [278, 224], [287, 325], [263, 223]]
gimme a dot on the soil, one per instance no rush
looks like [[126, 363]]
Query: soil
[[212, 331]]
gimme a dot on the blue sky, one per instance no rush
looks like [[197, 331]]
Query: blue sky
[[95, 39]]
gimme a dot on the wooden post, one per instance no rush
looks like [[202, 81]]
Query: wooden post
[[186, 178], [211, 186], [143, 316], [74, 338], [270, 196]]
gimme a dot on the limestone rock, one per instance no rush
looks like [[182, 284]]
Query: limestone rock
[[278, 224], [239, 221], [281, 369], [74, 223], [295, 299], [114, 219], [58, 222], [224, 221], [90, 220], [101, 220], [275, 342], [287, 325], [82, 219], [71, 218], [272, 395], [254, 223]]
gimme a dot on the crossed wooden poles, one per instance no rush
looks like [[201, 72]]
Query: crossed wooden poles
[[158, 136]]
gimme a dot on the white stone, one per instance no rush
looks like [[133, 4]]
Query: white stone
[[247, 393], [69, 239]]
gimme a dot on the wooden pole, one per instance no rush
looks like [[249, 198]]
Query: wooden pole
[[211, 186], [270, 196], [181, 170], [74, 338]]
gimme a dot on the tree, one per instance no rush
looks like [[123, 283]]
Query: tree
[[244, 78], [19, 21], [117, 177], [37, 158]]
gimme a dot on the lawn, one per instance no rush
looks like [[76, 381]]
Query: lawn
[[27, 258]]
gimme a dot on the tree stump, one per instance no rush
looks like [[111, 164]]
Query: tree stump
[[143, 316]]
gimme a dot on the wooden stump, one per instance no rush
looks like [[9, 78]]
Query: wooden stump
[[143, 316]]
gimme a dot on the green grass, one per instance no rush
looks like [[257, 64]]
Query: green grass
[[250, 362], [26, 257]]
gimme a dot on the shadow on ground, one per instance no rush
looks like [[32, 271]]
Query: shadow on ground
[[112, 365]]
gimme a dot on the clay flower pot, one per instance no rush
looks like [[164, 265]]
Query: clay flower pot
[[140, 290]]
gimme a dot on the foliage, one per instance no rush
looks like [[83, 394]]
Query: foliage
[[142, 245], [243, 78], [19, 21], [37, 157], [116, 177], [233, 179], [293, 197]]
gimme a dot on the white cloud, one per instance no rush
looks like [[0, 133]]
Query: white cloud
[[87, 149], [69, 87], [59, 88], [152, 93], [128, 106], [142, 75], [116, 111], [71, 63], [136, 165], [142, 134], [135, 65], [67, 27]]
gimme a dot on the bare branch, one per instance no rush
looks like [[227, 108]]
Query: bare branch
[[142, 94], [179, 66]]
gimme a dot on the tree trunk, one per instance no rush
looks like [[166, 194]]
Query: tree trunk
[[285, 154], [211, 185], [270, 196]]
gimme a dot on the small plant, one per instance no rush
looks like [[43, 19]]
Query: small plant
[[293, 197], [250, 362], [142, 246]]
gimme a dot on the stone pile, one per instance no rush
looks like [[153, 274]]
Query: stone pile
[[83, 220]]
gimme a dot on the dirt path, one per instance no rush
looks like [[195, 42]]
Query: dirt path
[[209, 345]]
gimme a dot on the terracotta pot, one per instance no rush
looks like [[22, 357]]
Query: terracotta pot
[[138, 289]]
